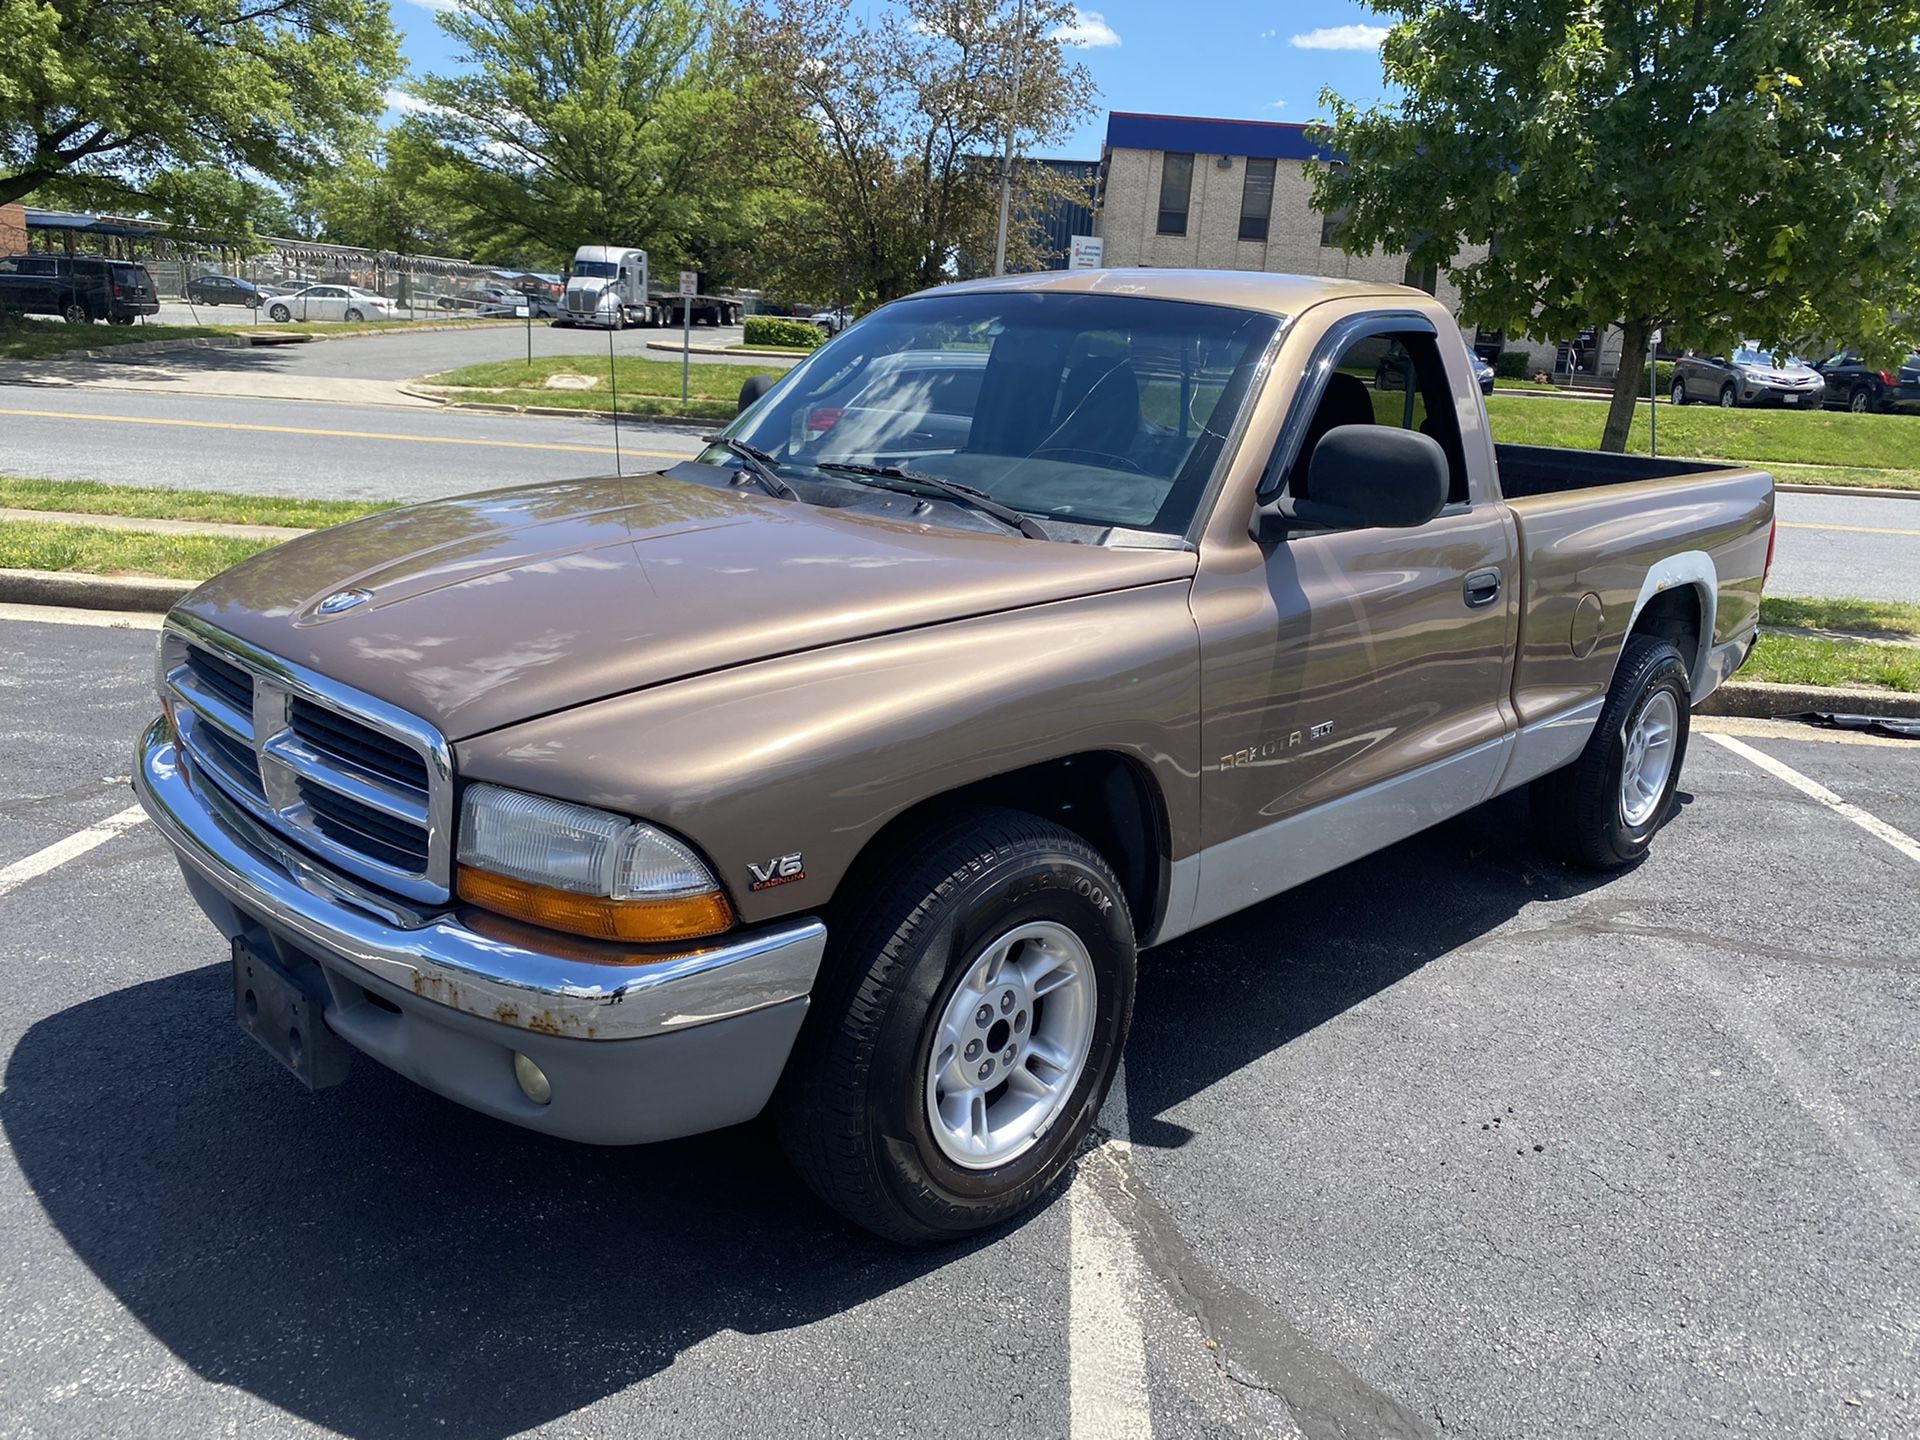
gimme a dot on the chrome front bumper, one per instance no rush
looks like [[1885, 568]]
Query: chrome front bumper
[[486, 993]]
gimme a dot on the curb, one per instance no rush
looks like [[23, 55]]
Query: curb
[[92, 592], [1870, 492], [1761, 700], [672, 349], [146, 347]]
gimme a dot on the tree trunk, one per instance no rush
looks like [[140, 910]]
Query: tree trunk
[[1629, 382]]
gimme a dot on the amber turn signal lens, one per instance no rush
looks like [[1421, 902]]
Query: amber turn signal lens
[[594, 916]]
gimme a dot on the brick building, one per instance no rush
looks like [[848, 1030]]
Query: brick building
[[1181, 191], [13, 229]]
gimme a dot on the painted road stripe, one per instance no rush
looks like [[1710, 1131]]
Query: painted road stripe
[[1106, 1341], [1844, 529], [71, 848], [1872, 824], [348, 434]]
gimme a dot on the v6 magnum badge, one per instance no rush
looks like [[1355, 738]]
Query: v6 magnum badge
[[781, 870]]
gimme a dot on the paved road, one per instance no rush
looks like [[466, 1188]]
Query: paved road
[[1453, 1142], [1835, 546]]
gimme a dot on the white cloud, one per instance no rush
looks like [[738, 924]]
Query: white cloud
[[1341, 37], [1277, 105], [439, 4], [408, 104], [1268, 34], [1088, 29]]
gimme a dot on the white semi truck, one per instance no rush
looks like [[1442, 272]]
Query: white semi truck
[[607, 287]]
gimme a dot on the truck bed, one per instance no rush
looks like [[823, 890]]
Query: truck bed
[[1549, 470]]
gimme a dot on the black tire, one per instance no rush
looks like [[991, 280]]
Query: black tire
[[1728, 396], [120, 319], [75, 312], [354, 317], [279, 313], [852, 1107], [1860, 402], [1578, 812], [1679, 392]]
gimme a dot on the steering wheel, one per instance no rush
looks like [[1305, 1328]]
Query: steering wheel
[[1100, 457]]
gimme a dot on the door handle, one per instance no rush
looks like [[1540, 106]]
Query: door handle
[[1481, 589]]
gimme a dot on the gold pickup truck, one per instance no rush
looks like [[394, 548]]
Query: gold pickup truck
[[844, 770]]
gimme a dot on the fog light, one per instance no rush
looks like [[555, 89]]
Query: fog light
[[533, 1080]]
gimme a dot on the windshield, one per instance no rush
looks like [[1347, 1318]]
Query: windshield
[[1752, 355], [1105, 410], [596, 269]]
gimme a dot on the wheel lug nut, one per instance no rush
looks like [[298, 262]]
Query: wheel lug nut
[[1006, 1002], [986, 1069], [973, 1049], [1008, 1057], [983, 1016]]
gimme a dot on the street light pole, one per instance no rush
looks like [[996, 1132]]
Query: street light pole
[[1006, 160]]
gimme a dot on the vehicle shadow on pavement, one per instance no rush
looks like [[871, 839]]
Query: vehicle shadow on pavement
[[378, 1260], [1221, 998], [381, 1261]]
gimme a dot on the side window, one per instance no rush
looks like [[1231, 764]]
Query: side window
[[1392, 379]]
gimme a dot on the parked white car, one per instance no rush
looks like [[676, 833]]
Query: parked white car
[[331, 302]]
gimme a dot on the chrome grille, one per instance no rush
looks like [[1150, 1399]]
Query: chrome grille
[[357, 782]]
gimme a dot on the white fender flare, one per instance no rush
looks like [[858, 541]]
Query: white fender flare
[[1695, 568]]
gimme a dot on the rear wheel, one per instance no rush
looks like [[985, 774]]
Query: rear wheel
[[1860, 401], [355, 317], [1602, 810], [964, 1031]]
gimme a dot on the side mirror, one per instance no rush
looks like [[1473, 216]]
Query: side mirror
[[1363, 477], [756, 386]]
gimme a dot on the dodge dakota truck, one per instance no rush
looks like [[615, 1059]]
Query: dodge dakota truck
[[842, 771]]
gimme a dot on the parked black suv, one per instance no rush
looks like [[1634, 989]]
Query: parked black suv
[[220, 290], [80, 290], [1853, 385]]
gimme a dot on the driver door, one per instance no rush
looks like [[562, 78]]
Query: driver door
[[1357, 685]]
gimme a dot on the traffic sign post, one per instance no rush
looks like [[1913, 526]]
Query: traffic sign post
[[689, 287], [525, 312]]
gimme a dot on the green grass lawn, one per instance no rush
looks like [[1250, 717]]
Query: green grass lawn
[[1866, 617], [30, 545], [1811, 437], [87, 498], [645, 386], [1845, 476], [1800, 660], [41, 340]]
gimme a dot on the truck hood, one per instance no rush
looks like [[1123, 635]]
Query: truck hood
[[495, 608]]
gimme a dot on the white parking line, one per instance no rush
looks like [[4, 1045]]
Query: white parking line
[[1872, 824], [71, 848], [1106, 1344]]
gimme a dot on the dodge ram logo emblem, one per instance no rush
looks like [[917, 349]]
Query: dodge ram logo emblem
[[341, 601]]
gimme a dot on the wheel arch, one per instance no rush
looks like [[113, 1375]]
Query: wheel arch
[[1677, 602], [1106, 797]]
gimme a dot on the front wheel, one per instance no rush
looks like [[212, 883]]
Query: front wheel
[[74, 312], [1602, 810], [1679, 392], [964, 1031], [1727, 397], [280, 313]]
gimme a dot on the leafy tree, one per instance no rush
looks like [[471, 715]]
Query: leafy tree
[[1719, 168], [891, 128], [582, 122], [124, 94], [379, 201]]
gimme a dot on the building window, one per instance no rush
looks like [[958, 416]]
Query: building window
[[1176, 189], [1256, 200], [1331, 225]]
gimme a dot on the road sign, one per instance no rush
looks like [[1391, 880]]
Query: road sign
[[689, 282], [1086, 252]]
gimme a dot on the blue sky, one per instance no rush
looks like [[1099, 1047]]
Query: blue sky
[[1230, 58]]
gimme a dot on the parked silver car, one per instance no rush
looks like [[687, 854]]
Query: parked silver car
[[331, 302], [1751, 377]]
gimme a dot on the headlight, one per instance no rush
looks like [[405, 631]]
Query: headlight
[[584, 871]]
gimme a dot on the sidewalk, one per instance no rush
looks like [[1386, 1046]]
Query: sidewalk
[[152, 526], [157, 377]]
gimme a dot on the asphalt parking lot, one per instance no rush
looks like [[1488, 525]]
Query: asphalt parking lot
[[1453, 1141]]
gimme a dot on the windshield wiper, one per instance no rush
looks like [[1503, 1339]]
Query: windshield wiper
[[947, 489], [758, 463]]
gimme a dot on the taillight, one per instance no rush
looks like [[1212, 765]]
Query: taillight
[[1773, 533], [1888, 380]]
